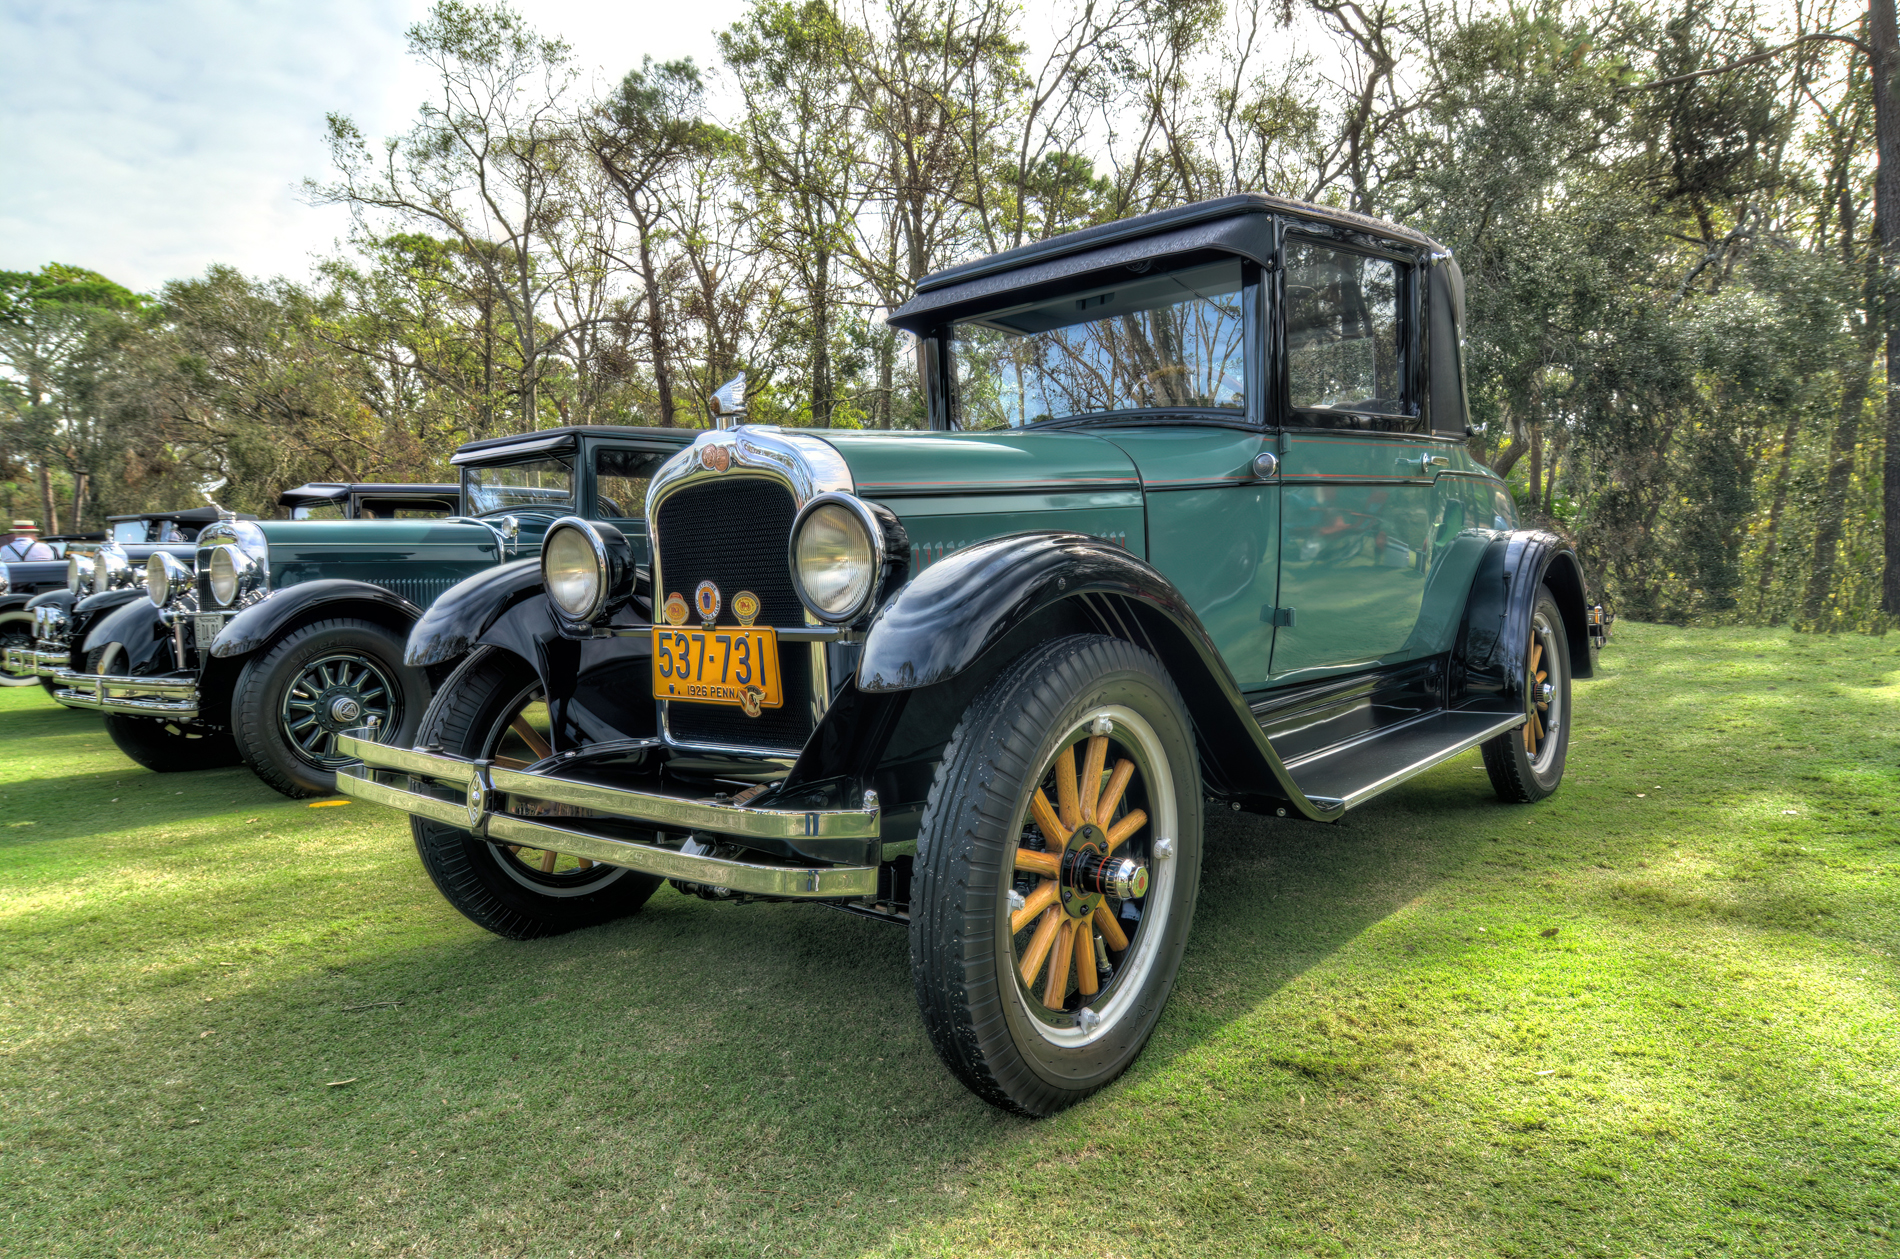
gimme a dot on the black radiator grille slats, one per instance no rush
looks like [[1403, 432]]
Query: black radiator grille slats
[[733, 532]]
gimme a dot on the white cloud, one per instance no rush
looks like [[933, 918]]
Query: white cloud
[[147, 139]]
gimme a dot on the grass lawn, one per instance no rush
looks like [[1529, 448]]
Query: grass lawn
[[1653, 1015]]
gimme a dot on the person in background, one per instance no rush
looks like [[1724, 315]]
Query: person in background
[[25, 544]]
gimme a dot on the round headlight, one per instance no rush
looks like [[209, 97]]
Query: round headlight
[[79, 575], [112, 569], [225, 571], [573, 572], [835, 557], [166, 578], [587, 569]]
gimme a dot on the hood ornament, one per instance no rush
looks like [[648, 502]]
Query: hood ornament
[[728, 403]]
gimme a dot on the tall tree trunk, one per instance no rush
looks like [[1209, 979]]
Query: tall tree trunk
[[1886, 62], [656, 323], [46, 501], [821, 399], [1776, 507], [1537, 465], [1840, 468]]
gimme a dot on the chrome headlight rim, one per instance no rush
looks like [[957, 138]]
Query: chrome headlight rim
[[613, 570], [243, 579], [80, 575], [867, 520], [172, 582], [112, 568]]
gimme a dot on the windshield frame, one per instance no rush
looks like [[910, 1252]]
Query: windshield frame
[[937, 354], [471, 471]]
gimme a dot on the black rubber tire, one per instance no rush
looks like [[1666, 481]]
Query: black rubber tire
[[1515, 775], [963, 979], [469, 872], [257, 699], [167, 747]]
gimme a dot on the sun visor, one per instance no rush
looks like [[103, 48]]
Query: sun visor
[[1246, 235], [514, 451]]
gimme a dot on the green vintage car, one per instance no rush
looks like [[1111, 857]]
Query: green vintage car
[[1195, 527], [283, 633]]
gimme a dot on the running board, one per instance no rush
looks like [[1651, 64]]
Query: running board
[[1349, 774]]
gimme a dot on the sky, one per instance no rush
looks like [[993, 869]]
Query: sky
[[147, 139]]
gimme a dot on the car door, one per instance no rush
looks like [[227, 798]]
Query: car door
[[1357, 471]]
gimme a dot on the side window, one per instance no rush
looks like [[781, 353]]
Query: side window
[[318, 511], [620, 481], [1343, 330]]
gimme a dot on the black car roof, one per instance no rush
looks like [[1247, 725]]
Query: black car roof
[[190, 515], [330, 491], [550, 441], [1240, 224]]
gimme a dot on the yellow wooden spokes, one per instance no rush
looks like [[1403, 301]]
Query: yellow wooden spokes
[[1068, 802], [1086, 979], [1041, 942], [1053, 830], [1092, 763], [1037, 901], [532, 737], [1112, 794], [1056, 990], [1534, 728]]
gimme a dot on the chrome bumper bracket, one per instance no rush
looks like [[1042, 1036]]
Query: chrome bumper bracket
[[176, 698]]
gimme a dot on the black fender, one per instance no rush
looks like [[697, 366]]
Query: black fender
[[965, 606], [1489, 659], [15, 602], [140, 630], [92, 607], [269, 619], [599, 689], [61, 599], [456, 621]]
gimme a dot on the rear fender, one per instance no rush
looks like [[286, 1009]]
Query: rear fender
[[1490, 658], [989, 602]]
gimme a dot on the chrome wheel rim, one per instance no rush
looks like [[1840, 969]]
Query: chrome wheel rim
[[338, 691], [520, 739], [1134, 818], [1544, 699]]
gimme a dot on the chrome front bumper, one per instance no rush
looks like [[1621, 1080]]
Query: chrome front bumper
[[176, 698], [464, 794], [29, 662]]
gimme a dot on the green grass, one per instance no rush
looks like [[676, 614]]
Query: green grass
[[1653, 1015]]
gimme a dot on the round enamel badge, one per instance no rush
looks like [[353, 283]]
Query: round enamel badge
[[745, 606], [706, 599], [676, 609]]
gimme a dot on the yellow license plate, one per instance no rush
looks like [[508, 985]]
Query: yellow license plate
[[722, 665]]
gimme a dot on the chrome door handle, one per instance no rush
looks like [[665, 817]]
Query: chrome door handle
[[1265, 464], [1426, 463]]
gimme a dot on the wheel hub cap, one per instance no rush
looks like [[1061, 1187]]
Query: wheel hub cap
[[345, 709]]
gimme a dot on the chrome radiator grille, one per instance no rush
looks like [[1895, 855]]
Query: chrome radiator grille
[[733, 532]]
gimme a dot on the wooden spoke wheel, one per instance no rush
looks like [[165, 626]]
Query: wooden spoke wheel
[[1527, 764], [492, 709], [1057, 862], [1084, 867]]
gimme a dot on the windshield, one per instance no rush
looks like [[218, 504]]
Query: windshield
[[541, 483], [1171, 339], [128, 531]]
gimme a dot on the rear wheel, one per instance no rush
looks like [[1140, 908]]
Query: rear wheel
[[492, 708], [293, 699], [1527, 764], [1057, 866]]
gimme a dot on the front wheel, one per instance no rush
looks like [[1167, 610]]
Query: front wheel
[[16, 630], [158, 743], [1057, 867], [1527, 764], [491, 708], [294, 698]]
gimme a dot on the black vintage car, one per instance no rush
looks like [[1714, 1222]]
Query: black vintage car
[[48, 604], [369, 500], [1195, 526]]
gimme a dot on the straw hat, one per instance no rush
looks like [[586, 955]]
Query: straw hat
[[25, 526]]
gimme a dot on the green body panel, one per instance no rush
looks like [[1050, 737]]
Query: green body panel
[[1214, 529], [417, 559], [1378, 548], [953, 489]]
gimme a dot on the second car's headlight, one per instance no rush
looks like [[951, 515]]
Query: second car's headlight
[[230, 569], [587, 569], [79, 575], [166, 578], [835, 557], [112, 570]]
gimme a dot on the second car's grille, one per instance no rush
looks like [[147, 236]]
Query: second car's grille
[[733, 532]]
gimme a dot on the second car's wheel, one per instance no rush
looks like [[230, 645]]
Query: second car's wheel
[[16, 630], [1057, 865], [294, 698], [159, 744], [1527, 764], [491, 708]]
